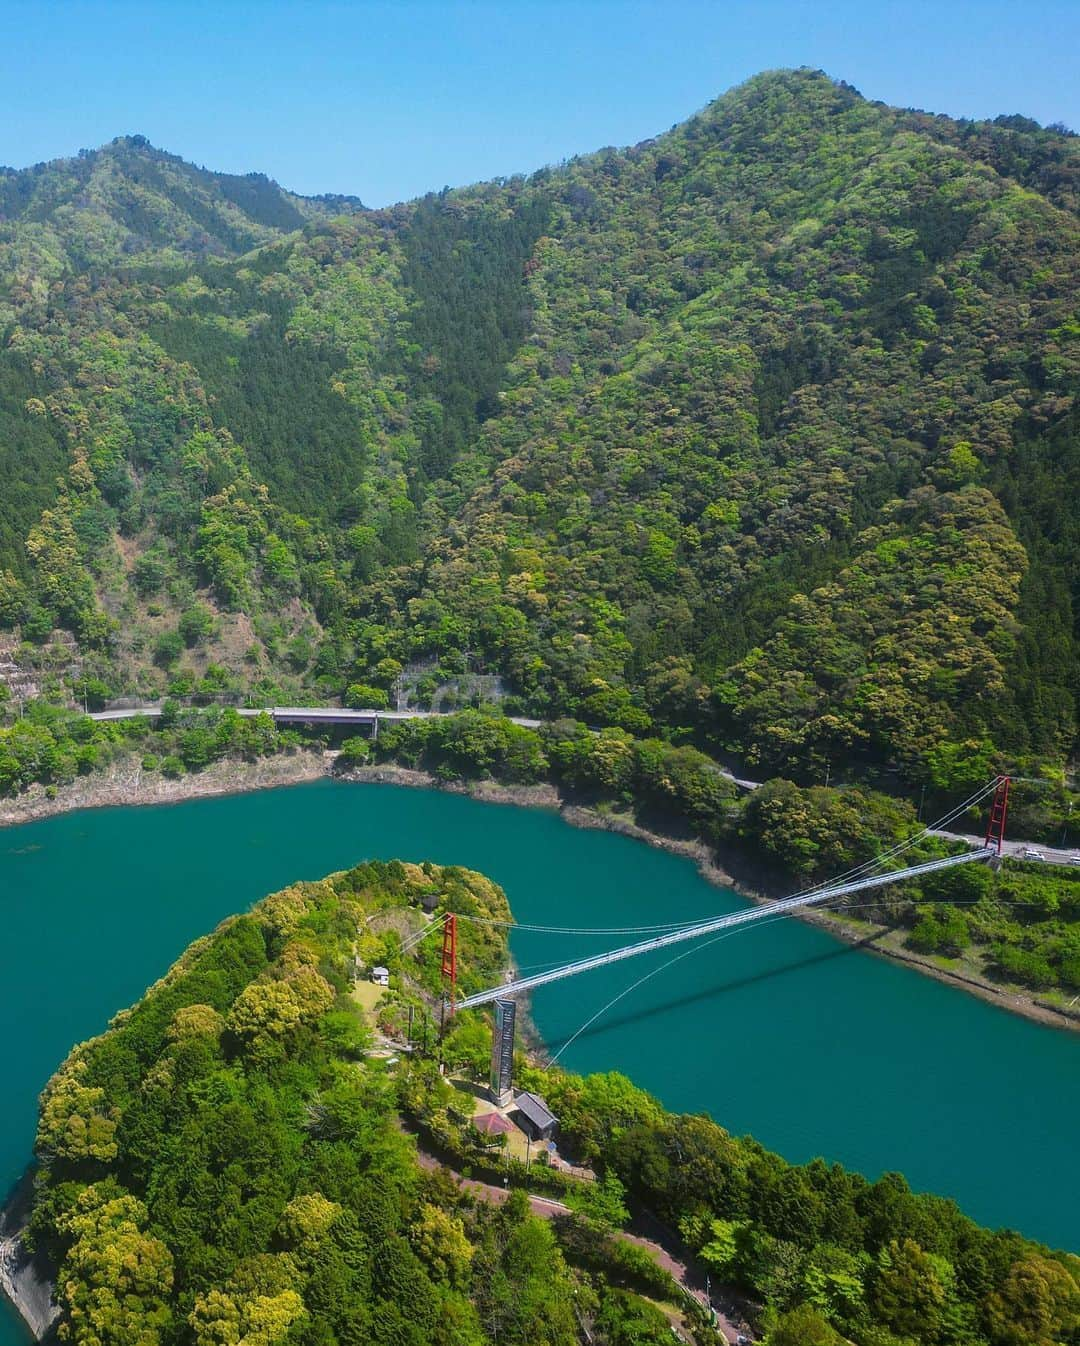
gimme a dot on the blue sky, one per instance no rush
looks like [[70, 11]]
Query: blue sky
[[386, 99]]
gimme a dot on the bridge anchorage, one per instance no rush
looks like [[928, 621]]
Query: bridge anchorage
[[858, 880]]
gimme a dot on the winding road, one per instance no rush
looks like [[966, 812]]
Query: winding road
[[338, 715]]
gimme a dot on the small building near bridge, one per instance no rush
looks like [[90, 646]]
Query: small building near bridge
[[380, 976], [534, 1117]]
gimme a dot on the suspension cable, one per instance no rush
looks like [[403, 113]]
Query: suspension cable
[[899, 848], [902, 846], [696, 948]]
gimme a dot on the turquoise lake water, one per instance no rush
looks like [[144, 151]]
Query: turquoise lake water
[[814, 1048]]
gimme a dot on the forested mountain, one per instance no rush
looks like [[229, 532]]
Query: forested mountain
[[129, 201], [763, 432]]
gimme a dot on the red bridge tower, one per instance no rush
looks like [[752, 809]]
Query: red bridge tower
[[999, 809]]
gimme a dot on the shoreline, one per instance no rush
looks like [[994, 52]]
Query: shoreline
[[25, 1288], [125, 785], [867, 937], [24, 1283]]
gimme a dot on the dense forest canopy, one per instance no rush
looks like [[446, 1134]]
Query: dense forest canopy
[[762, 433], [229, 1165]]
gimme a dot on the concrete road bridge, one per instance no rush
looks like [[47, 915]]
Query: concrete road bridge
[[370, 719]]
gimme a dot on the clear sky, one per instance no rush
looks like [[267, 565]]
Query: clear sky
[[386, 99]]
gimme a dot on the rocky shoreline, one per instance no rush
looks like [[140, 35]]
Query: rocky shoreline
[[124, 785], [26, 1283], [24, 1279], [754, 886]]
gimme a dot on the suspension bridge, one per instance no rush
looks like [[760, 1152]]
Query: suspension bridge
[[871, 875]]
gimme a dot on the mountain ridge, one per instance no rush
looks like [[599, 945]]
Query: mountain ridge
[[994, 136], [642, 433]]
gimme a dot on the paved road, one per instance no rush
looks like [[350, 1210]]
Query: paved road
[[303, 715], [339, 715], [1052, 854]]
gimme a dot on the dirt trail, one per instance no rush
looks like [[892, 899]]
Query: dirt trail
[[547, 1208]]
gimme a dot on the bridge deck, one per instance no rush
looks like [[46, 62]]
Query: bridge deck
[[303, 715], [729, 921]]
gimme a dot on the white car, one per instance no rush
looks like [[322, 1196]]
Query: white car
[[1030, 853]]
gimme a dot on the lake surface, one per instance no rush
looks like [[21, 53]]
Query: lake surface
[[815, 1048]]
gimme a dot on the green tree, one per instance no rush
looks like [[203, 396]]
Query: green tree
[[116, 1278], [1037, 1304], [362, 696], [906, 1292]]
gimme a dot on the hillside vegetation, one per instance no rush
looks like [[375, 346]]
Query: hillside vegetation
[[762, 433], [227, 1166]]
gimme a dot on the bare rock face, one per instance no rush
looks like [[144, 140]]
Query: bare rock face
[[20, 682], [25, 1279]]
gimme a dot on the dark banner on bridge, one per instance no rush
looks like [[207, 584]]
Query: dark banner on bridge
[[502, 1052]]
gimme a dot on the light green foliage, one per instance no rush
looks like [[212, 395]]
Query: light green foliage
[[595, 1107], [362, 696], [222, 1319], [735, 433], [628, 1320], [602, 1202], [306, 1222], [195, 1021], [820, 831], [354, 752], [51, 745], [834, 1281], [116, 1280], [803, 1326], [30, 752], [470, 744], [722, 1248], [440, 1241], [76, 1123], [1020, 923], [247, 1181], [196, 623], [267, 1012]]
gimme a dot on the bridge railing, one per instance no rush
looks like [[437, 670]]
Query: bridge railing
[[727, 922]]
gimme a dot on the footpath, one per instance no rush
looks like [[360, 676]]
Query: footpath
[[684, 1273]]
